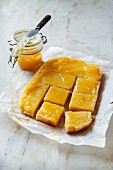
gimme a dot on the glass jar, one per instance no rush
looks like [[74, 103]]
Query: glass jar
[[31, 56]]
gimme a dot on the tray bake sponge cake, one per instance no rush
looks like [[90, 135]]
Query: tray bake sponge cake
[[46, 94]]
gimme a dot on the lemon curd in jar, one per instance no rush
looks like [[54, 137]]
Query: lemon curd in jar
[[30, 57]]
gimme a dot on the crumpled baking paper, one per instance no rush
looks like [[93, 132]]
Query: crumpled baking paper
[[95, 135]]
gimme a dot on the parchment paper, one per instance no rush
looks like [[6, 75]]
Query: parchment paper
[[95, 135]]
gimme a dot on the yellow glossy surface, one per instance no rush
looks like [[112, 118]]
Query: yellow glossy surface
[[65, 65], [81, 102], [74, 67], [35, 89], [29, 105], [75, 121], [92, 71], [88, 86], [55, 79], [59, 76], [31, 98], [57, 95], [50, 113]]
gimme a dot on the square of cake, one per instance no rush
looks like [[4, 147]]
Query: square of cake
[[87, 86], [50, 113], [93, 69], [29, 105], [80, 101], [75, 121], [57, 95], [32, 98]]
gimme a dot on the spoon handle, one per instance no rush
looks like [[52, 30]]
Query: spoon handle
[[43, 22]]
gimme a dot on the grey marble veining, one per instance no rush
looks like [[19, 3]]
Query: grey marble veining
[[79, 25]]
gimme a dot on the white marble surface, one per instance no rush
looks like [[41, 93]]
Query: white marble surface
[[79, 25]]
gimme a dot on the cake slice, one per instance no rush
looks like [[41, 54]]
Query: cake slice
[[76, 121], [32, 98], [91, 71], [50, 113], [60, 80], [82, 102], [57, 95], [87, 86], [29, 105]]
